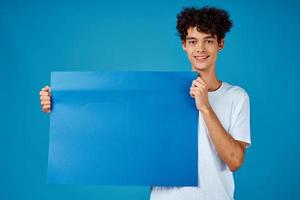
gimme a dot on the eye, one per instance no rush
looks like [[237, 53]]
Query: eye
[[192, 42], [209, 41]]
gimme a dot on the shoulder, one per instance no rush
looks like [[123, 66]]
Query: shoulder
[[236, 92]]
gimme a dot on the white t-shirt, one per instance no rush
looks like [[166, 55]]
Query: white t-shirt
[[231, 105]]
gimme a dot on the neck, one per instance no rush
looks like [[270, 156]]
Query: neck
[[210, 78]]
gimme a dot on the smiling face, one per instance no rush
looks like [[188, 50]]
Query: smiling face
[[202, 49]]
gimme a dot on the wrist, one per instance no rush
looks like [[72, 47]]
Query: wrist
[[206, 110]]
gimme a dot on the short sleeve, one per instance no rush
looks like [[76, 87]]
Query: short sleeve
[[240, 124]]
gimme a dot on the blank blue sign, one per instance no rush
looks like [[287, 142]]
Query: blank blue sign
[[123, 128]]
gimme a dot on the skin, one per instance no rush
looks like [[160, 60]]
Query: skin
[[45, 98], [202, 50]]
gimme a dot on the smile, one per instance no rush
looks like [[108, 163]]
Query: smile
[[201, 58]]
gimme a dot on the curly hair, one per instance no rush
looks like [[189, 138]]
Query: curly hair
[[207, 19]]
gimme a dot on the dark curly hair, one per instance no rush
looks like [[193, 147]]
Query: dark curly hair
[[207, 19]]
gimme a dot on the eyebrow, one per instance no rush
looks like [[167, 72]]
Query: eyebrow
[[209, 37], [206, 37], [191, 38]]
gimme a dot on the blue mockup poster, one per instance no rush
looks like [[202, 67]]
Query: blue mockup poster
[[123, 128]]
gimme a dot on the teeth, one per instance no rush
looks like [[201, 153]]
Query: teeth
[[201, 57]]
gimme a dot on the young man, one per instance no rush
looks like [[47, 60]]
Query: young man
[[224, 113]]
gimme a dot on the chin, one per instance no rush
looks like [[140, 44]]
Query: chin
[[200, 67]]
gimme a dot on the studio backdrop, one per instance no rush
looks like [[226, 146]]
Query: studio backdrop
[[261, 55]]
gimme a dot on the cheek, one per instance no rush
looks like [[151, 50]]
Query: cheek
[[213, 58], [214, 53], [189, 52]]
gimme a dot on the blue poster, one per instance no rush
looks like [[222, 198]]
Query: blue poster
[[123, 128]]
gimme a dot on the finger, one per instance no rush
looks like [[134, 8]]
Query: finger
[[201, 84], [45, 102], [46, 107], [43, 98], [198, 91], [46, 110], [46, 88], [201, 80], [49, 89], [196, 83], [194, 92], [44, 93]]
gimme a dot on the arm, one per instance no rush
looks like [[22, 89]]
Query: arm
[[231, 151]]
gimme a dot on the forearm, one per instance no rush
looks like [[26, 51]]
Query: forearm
[[229, 150]]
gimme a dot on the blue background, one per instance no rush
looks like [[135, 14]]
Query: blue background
[[261, 55]]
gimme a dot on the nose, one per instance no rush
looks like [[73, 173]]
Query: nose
[[200, 47]]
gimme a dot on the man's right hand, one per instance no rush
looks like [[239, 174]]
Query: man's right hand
[[45, 97]]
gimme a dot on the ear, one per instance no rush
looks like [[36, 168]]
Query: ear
[[183, 43], [221, 44]]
